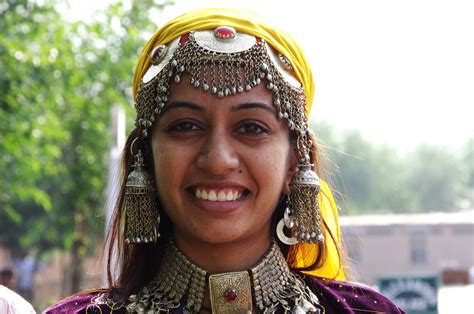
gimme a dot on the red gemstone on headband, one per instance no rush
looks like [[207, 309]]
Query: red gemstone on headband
[[225, 32], [230, 295]]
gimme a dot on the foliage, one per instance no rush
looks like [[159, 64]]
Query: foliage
[[374, 178], [58, 81]]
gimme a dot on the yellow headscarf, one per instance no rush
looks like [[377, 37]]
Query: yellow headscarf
[[250, 23]]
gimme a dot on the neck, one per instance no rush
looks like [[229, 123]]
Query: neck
[[224, 257]]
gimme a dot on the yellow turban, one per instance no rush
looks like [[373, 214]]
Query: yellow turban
[[250, 23], [243, 21]]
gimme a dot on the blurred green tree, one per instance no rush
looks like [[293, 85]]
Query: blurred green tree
[[437, 178], [58, 80], [373, 178]]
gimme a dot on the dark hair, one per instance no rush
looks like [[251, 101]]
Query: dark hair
[[139, 263], [6, 273]]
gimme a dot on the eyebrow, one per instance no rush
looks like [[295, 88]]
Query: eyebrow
[[192, 106], [181, 104], [254, 105]]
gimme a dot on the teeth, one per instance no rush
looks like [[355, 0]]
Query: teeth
[[221, 197], [217, 196], [212, 196]]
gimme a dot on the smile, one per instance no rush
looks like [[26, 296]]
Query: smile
[[218, 195]]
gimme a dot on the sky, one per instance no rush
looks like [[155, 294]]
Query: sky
[[401, 72]]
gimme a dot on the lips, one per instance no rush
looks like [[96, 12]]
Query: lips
[[218, 194]]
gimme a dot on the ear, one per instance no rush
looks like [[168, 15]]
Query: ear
[[292, 165]]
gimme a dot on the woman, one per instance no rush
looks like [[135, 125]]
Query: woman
[[220, 210]]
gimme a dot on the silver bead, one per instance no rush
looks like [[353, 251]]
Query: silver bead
[[320, 238], [220, 94], [214, 90], [177, 79], [205, 87], [248, 87], [240, 89]]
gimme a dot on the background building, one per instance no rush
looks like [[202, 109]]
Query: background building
[[410, 244]]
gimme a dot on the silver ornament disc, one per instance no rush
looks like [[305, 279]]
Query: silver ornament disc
[[282, 236]]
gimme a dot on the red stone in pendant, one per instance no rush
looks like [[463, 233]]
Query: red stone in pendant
[[230, 295], [225, 32]]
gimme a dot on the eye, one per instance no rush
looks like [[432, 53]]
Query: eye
[[184, 126], [252, 128]]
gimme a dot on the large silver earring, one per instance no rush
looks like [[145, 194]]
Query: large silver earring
[[142, 216], [303, 213], [304, 189]]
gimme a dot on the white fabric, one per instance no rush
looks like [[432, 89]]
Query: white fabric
[[13, 303]]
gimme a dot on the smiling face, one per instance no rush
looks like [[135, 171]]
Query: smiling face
[[221, 164]]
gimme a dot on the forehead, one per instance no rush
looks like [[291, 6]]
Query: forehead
[[184, 91]]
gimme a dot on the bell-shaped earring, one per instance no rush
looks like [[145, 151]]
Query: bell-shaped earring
[[142, 216], [306, 216]]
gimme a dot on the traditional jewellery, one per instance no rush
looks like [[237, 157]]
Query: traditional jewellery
[[180, 283], [225, 62], [141, 213]]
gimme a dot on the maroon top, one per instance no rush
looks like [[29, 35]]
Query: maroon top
[[335, 296]]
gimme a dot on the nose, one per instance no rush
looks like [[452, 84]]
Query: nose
[[218, 155]]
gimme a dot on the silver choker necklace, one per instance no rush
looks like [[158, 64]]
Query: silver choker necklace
[[270, 286]]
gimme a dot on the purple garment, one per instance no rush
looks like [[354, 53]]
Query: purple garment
[[338, 297], [351, 298]]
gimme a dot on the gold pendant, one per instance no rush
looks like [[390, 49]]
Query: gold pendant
[[230, 293]]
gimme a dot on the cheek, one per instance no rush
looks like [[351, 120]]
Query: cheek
[[272, 166], [164, 163]]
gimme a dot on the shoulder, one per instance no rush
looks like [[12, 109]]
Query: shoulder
[[88, 302], [11, 302], [349, 297]]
